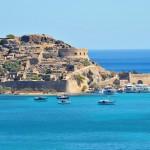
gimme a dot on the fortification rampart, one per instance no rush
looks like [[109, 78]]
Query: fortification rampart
[[59, 86], [139, 78], [74, 53]]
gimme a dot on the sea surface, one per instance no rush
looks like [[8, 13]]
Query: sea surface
[[82, 125], [122, 60]]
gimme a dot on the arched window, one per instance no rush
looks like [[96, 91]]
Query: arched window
[[75, 53], [140, 82]]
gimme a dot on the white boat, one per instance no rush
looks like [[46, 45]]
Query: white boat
[[138, 88], [40, 98], [63, 99], [108, 90], [142, 88], [64, 96], [106, 102], [130, 88]]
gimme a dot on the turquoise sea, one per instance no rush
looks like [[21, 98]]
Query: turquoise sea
[[81, 125]]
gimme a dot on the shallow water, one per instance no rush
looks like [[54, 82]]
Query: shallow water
[[81, 125]]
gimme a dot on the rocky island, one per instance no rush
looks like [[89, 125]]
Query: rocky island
[[42, 63]]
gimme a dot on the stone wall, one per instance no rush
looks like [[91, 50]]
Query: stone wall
[[138, 78], [59, 86], [73, 87], [73, 53]]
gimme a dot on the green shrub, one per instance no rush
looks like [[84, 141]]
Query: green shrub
[[35, 77], [10, 36], [3, 41], [2, 71], [86, 62], [46, 77], [84, 88], [48, 71], [12, 66], [79, 79], [3, 89]]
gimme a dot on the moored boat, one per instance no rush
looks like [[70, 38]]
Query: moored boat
[[130, 88], [63, 97], [137, 88], [142, 88], [106, 102], [108, 90], [40, 98]]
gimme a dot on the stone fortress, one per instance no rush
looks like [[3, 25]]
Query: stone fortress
[[40, 59]]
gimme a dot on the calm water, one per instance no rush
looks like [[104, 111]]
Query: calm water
[[82, 125], [123, 60]]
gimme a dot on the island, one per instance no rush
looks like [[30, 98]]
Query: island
[[40, 63]]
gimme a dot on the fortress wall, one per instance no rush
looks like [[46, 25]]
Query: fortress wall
[[135, 78], [59, 86], [73, 87], [74, 53], [69, 86]]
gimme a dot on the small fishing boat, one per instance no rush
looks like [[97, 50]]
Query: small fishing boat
[[106, 102], [63, 97], [40, 98]]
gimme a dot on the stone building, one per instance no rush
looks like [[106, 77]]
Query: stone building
[[73, 53], [139, 78]]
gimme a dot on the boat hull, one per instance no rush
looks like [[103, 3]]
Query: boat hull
[[106, 102]]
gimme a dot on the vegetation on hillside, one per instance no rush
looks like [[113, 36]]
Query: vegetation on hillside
[[2, 71], [79, 79], [12, 66], [86, 62], [84, 88], [35, 77]]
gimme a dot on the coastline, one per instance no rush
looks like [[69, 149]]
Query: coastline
[[39, 93]]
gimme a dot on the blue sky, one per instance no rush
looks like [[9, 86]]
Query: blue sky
[[97, 24]]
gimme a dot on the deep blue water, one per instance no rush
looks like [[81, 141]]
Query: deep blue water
[[82, 125], [123, 60]]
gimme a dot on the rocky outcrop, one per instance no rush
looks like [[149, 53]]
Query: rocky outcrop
[[37, 39], [89, 77]]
